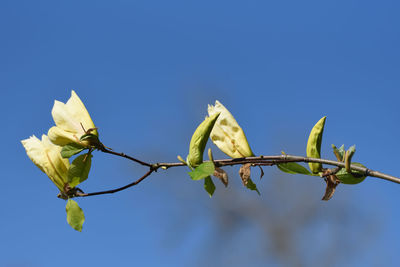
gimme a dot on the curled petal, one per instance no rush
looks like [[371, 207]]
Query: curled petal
[[60, 137], [227, 134]]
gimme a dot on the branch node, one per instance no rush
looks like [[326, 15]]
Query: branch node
[[154, 167]]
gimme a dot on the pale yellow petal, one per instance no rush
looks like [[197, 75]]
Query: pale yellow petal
[[224, 142], [34, 149], [71, 116], [54, 152], [60, 137], [47, 157], [78, 110], [65, 120], [227, 134], [53, 166]]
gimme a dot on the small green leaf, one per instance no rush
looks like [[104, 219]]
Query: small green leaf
[[293, 168], [342, 151], [252, 186], [314, 145], [339, 153], [75, 216], [79, 169], [209, 186], [202, 171], [355, 178], [199, 140], [71, 149], [89, 137], [348, 156], [352, 149]]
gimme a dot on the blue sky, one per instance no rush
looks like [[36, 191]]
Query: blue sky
[[146, 71]]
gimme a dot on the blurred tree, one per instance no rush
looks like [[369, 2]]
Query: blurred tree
[[286, 226]]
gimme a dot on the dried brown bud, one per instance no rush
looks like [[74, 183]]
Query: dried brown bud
[[331, 182], [222, 175], [244, 173]]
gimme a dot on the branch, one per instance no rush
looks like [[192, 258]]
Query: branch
[[255, 161], [78, 194], [274, 160], [102, 148]]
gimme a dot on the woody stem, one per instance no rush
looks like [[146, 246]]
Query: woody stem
[[255, 161]]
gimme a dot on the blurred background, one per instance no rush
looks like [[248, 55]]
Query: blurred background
[[146, 71]]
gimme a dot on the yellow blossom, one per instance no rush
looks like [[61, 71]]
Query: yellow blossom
[[48, 158], [72, 120], [227, 134]]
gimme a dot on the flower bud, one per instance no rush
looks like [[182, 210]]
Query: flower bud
[[227, 134], [199, 141], [314, 145]]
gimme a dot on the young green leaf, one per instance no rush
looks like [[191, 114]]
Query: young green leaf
[[199, 141], [355, 178], [252, 186], [339, 153], [202, 171], [342, 151], [89, 137], [293, 168], [79, 169], [75, 216], [348, 156], [314, 145], [71, 149], [209, 186]]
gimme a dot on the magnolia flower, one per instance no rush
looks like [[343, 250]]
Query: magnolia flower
[[48, 158], [227, 134], [72, 120]]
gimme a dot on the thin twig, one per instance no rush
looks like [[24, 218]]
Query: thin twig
[[105, 150], [117, 189]]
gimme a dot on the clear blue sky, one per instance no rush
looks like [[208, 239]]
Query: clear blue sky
[[146, 71]]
